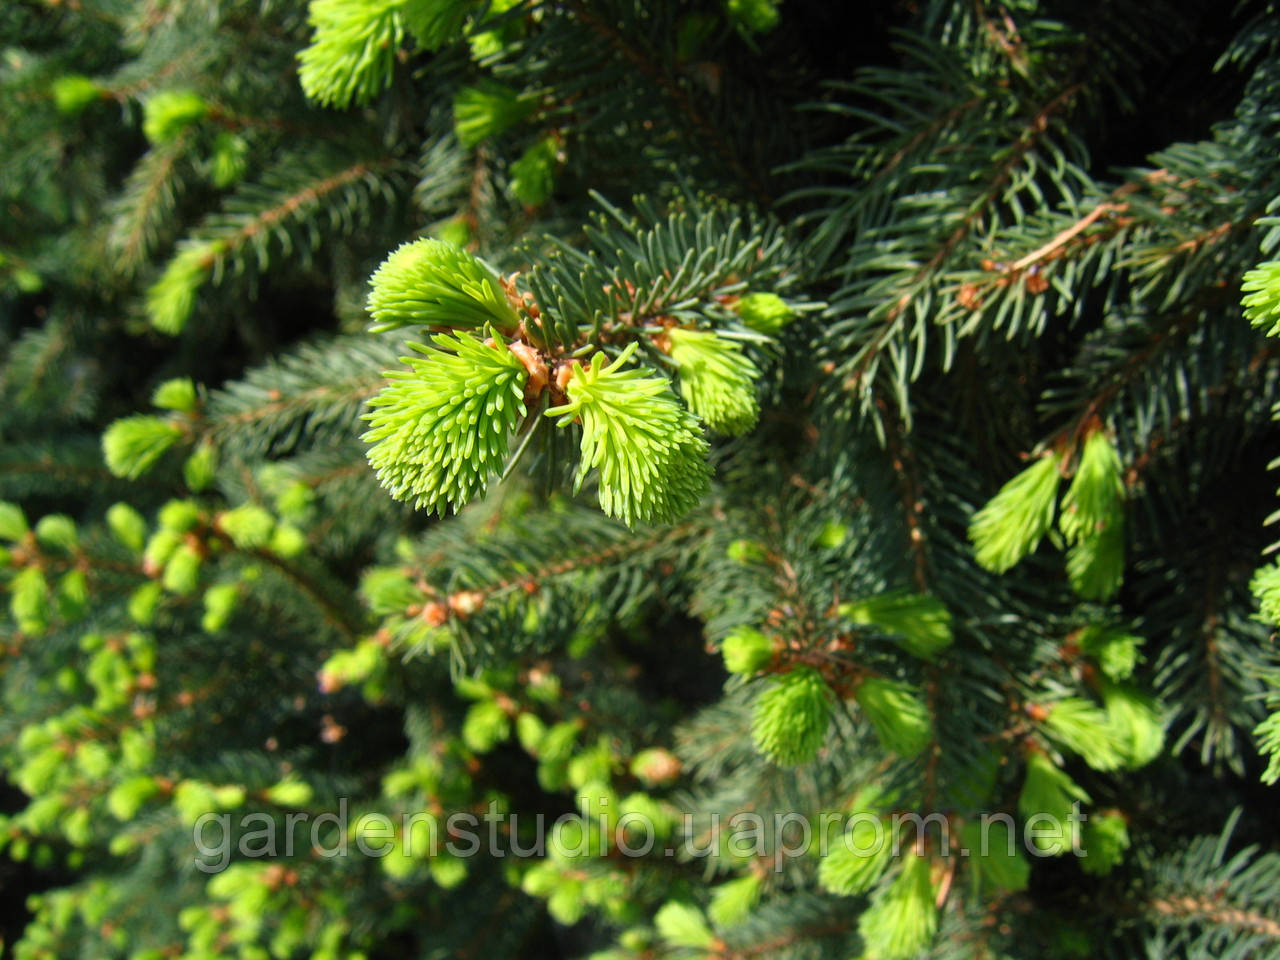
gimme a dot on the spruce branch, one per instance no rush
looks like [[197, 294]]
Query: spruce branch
[[906, 465], [910, 288], [145, 208], [646, 64], [313, 394], [958, 223], [1069, 234], [1201, 900], [1126, 371], [335, 613], [1214, 912], [570, 562], [248, 226]]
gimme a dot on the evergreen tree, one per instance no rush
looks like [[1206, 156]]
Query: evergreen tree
[[639, 478]]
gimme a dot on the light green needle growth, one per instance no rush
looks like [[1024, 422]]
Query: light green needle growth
[[439, 431], [904, 917], [352, 54], [1262, 297], [127, 524], [764, 312], [167, 113], [754, 16], [1093, 500], [1095, 565], [900, 718], [533, 176], [353, 50], [1092, 520], [649, 450], [436, 284], [1265, 587], [1084, 728], [177, 394], [1010, 526], [1048, 790], [857, 858], [746, 650], [995, 855], [74, 92], [57, 531], [1106, 838], [1268, 734], [434, 23], [172, 298], [29, 600], [683, 926], [229, 161], [791, 717], [484, 111], [732, 902], [132, 445], [1116, 651], [13, 523], [922, 622], [717, 380], [1135, 723]]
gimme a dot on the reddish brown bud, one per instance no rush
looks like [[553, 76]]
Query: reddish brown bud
[[435, 613], [968, 296], [466, 602]]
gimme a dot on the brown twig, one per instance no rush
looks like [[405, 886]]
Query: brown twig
[[1225, 915]]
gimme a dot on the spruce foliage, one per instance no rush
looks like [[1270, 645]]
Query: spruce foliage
[[824, 475]]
